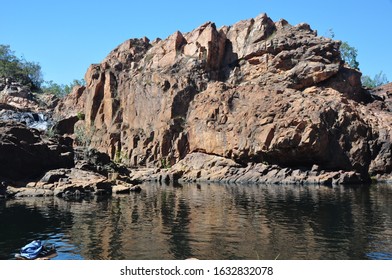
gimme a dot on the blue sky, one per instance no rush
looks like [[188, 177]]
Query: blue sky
[[65, 37]]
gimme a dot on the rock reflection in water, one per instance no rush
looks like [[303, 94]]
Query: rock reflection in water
[[216, 222]]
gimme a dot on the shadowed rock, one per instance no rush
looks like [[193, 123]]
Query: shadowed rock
[[25, 153]]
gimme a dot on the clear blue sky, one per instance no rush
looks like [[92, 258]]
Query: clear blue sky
[[65, 37]]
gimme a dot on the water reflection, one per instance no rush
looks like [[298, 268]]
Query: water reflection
[[209, 222]]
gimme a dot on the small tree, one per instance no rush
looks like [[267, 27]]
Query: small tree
[[53, 88], [61, 90], [68, 88], [349, 55], [25, 72], [378, 80]]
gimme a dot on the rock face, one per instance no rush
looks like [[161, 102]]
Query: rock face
[[37, 120], [38, 160], [72, 104], [25, 153], [258, 92], [379, 116], [15, 94], [19, 104], [20, 97]]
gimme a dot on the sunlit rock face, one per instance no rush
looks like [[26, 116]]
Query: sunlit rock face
[[258, 91]]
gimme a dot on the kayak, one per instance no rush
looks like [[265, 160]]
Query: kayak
[[36, 250]]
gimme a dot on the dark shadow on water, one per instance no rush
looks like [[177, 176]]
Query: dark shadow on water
[[21, 225]]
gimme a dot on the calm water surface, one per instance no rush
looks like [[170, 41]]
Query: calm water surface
[[208, 221]]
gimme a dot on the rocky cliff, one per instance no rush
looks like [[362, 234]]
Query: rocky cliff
[[27, 148], [257, 93]]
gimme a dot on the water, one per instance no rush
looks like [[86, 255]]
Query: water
[[40, 121], [208, 222]]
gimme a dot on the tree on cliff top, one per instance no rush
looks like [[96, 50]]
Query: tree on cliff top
[[25, 72], [29, 73], [378, 80], [61, 90], [349, 55], [347, 52]]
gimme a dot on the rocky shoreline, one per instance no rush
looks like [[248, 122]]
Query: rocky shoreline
[[199, 167], [258, 102]]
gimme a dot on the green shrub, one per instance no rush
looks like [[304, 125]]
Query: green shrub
[[83, 136], [81, 116], [60, 90], [378, 80], [165, 163]]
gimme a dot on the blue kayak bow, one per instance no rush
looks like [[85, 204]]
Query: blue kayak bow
[[32, 250]]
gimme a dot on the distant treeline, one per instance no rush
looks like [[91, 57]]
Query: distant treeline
[[30, 74]]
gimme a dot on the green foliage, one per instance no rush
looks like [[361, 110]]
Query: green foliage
[[165, 164], [26, 72], [61, 90], [53, 88], [76, 82], [378, 80], [51, 132], [117, 157], [29, 73], [120, 157], [83, 136], [81, 116], [349, 55]]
